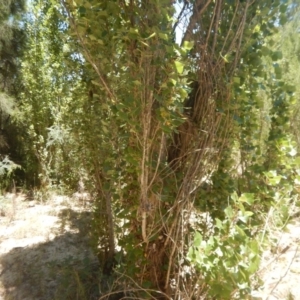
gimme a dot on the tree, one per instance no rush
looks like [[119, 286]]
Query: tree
[[48, 82], [163, 132], [11, 41], [287, 41], [166, 115]]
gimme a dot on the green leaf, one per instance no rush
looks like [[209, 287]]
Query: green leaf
[[173, 81], [237, 80], [183, 93], [219, 224], [276, 55], [240, 230], [290, 88], [82, 10], [163, 36], [150, 36], [265, 50], [229, 212], [166, 129], [188, 45], [134, 31], [283, 19], [93, 38], [197, 239], [137, 82], [254, 265], [248, 198], [235, 197], [179, 66], [96, 83], [283, 8]]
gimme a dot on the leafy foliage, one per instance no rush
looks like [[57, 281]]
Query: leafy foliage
[[11, 41], [173, 111], [159, 130], [228, 258], [6, 169]]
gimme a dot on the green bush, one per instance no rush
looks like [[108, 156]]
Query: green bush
[[228, 257]]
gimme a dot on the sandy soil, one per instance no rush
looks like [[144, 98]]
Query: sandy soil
[[44, 249], [280, 266], [45, 253]]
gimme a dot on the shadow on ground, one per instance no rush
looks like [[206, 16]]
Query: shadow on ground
[[59, 268]]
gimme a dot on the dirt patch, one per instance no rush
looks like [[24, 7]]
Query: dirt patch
[[45, 253], [280, 266], [45, 249]]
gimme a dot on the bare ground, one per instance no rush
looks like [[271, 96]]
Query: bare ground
[[45, 253], [44, 250], [280, 266]]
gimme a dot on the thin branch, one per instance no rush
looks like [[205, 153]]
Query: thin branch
[[88, 55], [286, 271], [211, 23], [230, 27], [158, 159], [241, 34], [179, 16], [217, 22], [197, 12]]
